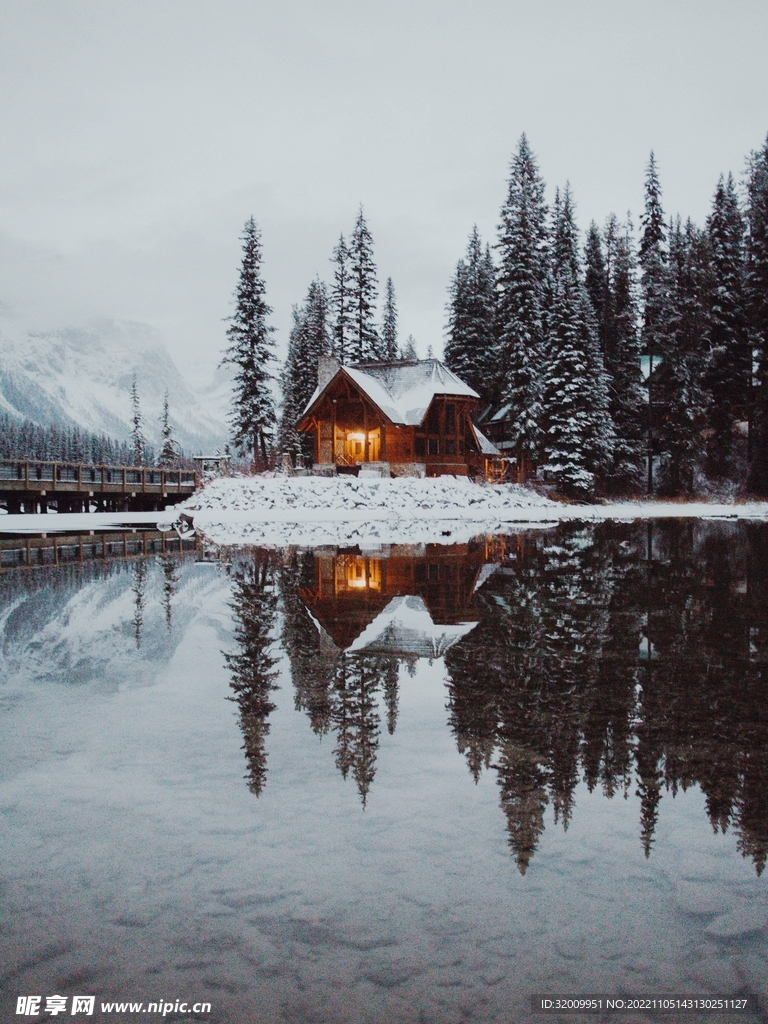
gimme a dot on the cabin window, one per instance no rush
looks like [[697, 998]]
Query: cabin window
[[433, 420], [419, 446], [433, 446], [449, 447], [450, 418]]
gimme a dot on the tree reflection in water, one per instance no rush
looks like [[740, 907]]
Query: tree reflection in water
[[252, 666], [629, 656], [616, 650]]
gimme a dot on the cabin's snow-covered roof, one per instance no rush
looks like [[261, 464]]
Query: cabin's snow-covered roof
[[404, 391], [406, 627], [486, 447]]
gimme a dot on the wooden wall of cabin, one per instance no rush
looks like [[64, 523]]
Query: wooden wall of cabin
[[398, 443]]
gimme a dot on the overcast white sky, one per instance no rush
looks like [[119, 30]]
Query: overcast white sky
[[137, 137]]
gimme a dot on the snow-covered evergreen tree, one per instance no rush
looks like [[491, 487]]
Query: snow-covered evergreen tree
[[655, 291], [728, 379], [309, 339], [169, 447], [680, 378], [596, 281], [138, 442], [340, 301], [409, 353], [756, 287], [621, 343], [389, 324], [250, 351], [578, 436], [365, 344], [470, 347], [522, 272]]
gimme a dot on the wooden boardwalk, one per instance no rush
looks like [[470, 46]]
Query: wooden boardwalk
[[28, 485], [73, 549]]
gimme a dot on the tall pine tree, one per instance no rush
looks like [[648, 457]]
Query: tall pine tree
[[596, 281], [250, 351], [728, 379], [522, 272], [168, 449], [365, 345], [138, 441], [655, 294], [389, 324], [340, 301], [309, 339], [470, 347], [680, 378], [578, 439], [757, 311], [621, 352]]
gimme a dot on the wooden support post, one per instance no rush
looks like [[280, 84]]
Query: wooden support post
[[365, 432]]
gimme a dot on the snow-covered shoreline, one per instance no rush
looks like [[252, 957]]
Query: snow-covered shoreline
[[307, 511], [311, 511]]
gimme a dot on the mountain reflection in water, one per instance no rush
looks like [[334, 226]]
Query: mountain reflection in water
[[623, 655]]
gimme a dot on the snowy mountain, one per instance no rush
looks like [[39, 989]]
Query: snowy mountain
[[83, 376]]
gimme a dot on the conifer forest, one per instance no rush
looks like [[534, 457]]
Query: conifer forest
[[630, 360]]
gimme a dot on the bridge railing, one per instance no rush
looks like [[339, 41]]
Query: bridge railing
[[32, 473]]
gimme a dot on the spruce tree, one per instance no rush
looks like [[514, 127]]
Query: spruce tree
[[522, 273], [138, 442], [578, 441], [365, 345], [409, 353], [470, 347], [654, 283], [168, 450], [309, 339], [250, 351], [621, 341], [289, 441], [680, 378], [340, 302], [756, 287], [596, 281], [728, 378], [389, 324]]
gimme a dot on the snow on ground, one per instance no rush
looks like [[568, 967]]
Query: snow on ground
[[347, 510]]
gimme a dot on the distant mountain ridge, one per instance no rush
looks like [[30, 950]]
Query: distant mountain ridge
[[82, 376]]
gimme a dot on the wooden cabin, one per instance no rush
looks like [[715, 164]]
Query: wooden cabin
[[404, 419]]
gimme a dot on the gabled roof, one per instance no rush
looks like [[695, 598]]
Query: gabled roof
[[405, 626], [402, 391], [486, 447]]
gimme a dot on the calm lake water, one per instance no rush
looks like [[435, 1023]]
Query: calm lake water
[[404, 784]]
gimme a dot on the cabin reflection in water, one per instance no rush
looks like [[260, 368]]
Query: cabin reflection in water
[[630, 657], [402, 600]]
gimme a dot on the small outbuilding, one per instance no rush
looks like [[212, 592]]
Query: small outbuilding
[[401, 418]]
